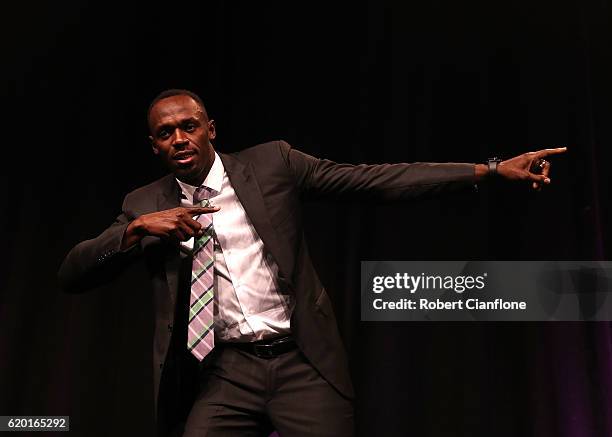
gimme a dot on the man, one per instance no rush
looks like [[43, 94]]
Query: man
[[245, 337]]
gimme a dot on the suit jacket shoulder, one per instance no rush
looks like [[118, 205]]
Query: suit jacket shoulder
[[144, 199]]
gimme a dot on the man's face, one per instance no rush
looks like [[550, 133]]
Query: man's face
[[180, 135]]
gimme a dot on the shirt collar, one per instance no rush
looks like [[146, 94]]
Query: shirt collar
[[213, 180]]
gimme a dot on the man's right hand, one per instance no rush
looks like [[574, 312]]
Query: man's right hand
[[174, 224]]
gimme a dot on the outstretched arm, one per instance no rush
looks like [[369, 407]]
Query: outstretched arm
[[402, 181], [380, 181]]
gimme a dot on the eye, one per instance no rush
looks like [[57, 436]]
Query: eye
[[190, 127], [163, 134]]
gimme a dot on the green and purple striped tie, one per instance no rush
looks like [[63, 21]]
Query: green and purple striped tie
[[201, 336]]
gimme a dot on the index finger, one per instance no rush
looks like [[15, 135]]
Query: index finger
[[196, 210], [546, 152]]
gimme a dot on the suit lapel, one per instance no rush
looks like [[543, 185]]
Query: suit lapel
[[169, 198], [249, 193]]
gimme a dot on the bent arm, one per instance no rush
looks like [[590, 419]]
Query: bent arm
[[97, 261]]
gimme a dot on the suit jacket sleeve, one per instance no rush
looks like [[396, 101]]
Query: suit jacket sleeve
[[380, 181], [97, 261]]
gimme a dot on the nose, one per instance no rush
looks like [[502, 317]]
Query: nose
[[179, 139]]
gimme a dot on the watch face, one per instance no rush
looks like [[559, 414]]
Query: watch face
[[492, 164]]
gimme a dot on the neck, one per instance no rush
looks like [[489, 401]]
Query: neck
[[194, 180]]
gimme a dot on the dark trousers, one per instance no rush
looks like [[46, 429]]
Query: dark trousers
[[244, 395]]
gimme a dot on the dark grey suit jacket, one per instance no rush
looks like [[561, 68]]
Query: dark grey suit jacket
[[269, 179]]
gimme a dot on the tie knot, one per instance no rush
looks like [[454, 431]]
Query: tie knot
[[201, 194]]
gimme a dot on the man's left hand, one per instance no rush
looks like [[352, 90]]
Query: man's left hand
[[529, 166]]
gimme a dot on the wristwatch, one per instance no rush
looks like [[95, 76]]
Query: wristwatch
[[492, 164]]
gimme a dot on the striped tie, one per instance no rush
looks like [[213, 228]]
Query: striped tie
[[201, 337]]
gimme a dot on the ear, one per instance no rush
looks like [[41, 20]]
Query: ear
[[153, 145], [212, 130]]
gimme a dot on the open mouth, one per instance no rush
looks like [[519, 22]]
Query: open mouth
[[184, 157]]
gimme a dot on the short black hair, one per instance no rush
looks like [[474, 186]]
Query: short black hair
[[177, 92]]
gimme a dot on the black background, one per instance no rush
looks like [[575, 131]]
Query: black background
[[367, 81]]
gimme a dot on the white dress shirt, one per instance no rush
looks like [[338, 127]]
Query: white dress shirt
[[248, 303]]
